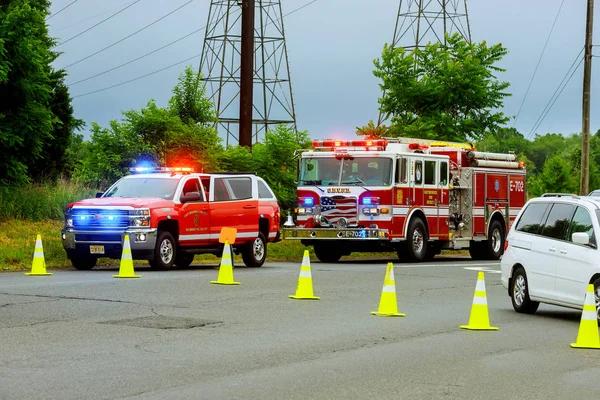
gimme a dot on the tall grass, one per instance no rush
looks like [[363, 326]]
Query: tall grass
[[37, 202]]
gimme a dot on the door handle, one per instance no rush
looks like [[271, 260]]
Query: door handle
[[552, 249], [563, 251], [249, 206]]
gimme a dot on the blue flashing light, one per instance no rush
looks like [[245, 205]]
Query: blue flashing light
[[309, 201], [367, 201]]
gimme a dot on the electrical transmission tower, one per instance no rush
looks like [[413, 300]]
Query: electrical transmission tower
[[229, 27], [422, 21]]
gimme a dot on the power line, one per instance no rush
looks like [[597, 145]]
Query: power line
[[130, 35], [538, 63], [62, 28], [556, 94], [160, 48], [139, 77], [99, 23], [62, 9]]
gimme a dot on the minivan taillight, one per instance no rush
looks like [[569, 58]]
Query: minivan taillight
[[505, 245]]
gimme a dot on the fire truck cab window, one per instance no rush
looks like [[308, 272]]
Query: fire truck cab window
[[430, 172], [443, 173], [401, 171], [418, 172]]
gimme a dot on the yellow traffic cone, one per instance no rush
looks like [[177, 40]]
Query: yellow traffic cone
[[388, 306], [479, 319], [126, 267], [38, 266], [587, 338], [304, 290], [225, 276]]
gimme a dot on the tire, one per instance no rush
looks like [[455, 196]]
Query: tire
[[164, 252], [417, 239], [83, 263], [597, 296], [495, 243], [477, 250], [327, 252], [184, 260], [255, 253], [519, 293]]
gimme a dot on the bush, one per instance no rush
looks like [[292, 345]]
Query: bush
[[41, 201]]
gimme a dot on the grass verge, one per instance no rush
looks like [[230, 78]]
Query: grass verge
[[17, 242]]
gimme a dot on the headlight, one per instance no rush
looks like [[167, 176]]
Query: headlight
[[139, 217], [69, 222], [137, 222]]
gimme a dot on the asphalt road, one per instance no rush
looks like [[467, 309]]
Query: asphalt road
[[173, 335]]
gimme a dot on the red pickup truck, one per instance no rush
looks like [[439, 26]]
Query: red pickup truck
[[172, 214]]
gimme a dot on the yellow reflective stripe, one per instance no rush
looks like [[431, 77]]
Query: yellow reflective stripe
[[589, 307], [479, 294]]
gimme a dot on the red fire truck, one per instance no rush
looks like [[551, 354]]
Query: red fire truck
[[412, 196]]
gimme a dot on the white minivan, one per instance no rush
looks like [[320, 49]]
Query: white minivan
[[551, 252]]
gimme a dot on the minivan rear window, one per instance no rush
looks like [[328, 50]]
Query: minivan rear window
[[531, 218], [559, 221]]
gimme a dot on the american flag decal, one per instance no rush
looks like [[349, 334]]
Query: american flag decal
[[335, 207]]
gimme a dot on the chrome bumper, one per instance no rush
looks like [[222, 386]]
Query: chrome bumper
[[335, 233], [72, 238]]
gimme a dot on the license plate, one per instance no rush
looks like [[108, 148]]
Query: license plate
[[96, 249]]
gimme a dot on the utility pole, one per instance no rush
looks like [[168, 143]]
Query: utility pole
[[246, 73], [587, 81]]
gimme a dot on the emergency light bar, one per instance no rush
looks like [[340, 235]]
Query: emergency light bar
[[160, 169], [380, 144]]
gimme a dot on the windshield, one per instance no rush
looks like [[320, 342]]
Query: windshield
[[144, 187], [374, 171]]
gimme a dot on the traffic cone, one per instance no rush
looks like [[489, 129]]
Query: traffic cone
[[225, 276], [126, 267], [38, 266], [304, 290], [479, 319], [388, 306], [587, 338]]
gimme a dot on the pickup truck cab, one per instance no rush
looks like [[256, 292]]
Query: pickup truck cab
[[171, 215]]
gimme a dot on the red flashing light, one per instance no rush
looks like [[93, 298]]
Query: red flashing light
[[349, 143], [417, 146]]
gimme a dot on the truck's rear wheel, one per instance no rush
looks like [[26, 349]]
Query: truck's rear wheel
[[327, 252], [495, 242], [164, 251], [83, 263], [255, 253]]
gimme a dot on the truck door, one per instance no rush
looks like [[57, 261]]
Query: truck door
[[195, 216], [416, 182], [430, 196], [234, 205]]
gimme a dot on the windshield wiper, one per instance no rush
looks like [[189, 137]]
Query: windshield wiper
[[312, 182], [358, 182]]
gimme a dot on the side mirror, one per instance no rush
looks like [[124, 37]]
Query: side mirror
[[190, 197], [580, 238], [99, 194]]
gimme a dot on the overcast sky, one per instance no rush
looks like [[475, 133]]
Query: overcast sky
[[331, 47]]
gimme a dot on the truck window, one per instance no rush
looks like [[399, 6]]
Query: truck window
[[241, 187], [430, 172], [220, 191], [401, 169], [418, 172], [263, 191], [192, 185], [443, 173]]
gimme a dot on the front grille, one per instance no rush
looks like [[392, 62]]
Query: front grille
[[98, 237], [340, 210], [89, 218]]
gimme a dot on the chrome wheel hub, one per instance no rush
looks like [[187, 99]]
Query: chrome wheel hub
[[258, 248], [519, 290], [597, 298], [496, 240], [166, 251], [418, 241]]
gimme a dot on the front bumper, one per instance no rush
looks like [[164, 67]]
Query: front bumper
[[79, 242], [335, 233]]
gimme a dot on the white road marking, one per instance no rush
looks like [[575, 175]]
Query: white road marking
[[449, 264], [491, 271]]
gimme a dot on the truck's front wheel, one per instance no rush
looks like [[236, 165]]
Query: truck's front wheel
[[327, 252], [417, 239], [255, 253], [164, 251]]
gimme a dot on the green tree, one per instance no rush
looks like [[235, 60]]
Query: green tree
[[556, 176], [35, 112], [189, 101], [503, 140], [442, 91]]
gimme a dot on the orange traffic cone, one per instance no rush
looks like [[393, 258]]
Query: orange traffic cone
[[38, 266], [587, 338], [225, 276], [479, 319], [388, 306], [126, 267]]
